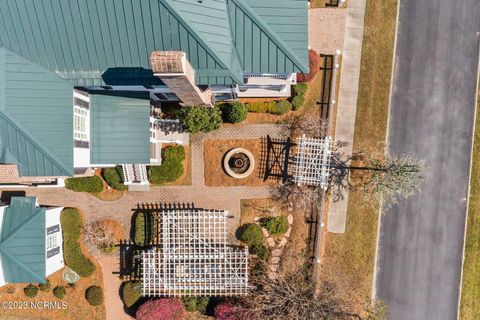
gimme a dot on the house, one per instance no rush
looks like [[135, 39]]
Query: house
[[79, 80], [30, 241]]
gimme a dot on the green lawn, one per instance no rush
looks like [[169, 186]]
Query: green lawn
[[349, 258], [470, 304]]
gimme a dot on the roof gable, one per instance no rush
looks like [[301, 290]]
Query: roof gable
[[22, 241], [36, 118]]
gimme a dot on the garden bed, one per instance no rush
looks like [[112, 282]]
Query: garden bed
[[214, 152]]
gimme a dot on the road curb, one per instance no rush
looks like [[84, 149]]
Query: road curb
[[477, 104], [379, 222]]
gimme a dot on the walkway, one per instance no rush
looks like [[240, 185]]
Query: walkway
[[326, 29], [431, 117], [347, 100], [226, 198]]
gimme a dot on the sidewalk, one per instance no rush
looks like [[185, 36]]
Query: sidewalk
[[347, 100]]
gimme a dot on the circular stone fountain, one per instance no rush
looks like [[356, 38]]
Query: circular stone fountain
[[238, 163]]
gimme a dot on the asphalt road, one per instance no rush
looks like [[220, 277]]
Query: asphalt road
[[433, 102]]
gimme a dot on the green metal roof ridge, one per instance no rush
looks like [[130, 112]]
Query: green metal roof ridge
[[11, 236], [21, 265], [271, 34], [41, 146], [234, 75]]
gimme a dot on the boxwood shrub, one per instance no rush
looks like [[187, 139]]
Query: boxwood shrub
[[92, 184], [94, 295], [282, 107], [171, 168], [30, 291], [300, 89], [200, 119], [114, 178], [44, 287], [144, 228], [251, 234], [276, 225], [196, 304], [235, 112], [297, 102], [261, 106], [131, 292], [59, 292], [72, 226]]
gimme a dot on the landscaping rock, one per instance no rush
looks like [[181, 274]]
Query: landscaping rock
[[290, 219], [287, 234], [283, 242], [265, 232], [271, 242], [275, 260], [256, 219], [276, 253], [274, 267]]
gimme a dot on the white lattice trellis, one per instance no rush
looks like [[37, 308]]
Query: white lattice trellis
[[193, 258], [312, 161]]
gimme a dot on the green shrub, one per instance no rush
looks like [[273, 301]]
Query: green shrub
[[114, 179], [72, 225], [251, 234], [299, 89], [282, 107], [276, 225], [94, 295], [297, 102], [200, 119], [196, 304], [30, 291], [92, 184], [261, 106], [59, 292], [174, 153], [131, 292], [44, 287], [144, 228], [171, 168], [234, 113], [260, 250]]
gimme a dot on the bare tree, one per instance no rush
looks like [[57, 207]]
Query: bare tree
[[308, 125], [386, 178], [293, 297], [290, 195], [99, 235]]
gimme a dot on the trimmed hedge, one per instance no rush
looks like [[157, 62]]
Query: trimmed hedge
[[171, 168], [94, 295], [261, 106], [300, 89], [251, 234], [44, 287], [200, 119], [114, 179], [234, 113], [144, 228], [276, 225], [314, 63], [92, 184], [30, 291], [59, 292], [297, 102], [131, 292], [72, 226], [282, 107]]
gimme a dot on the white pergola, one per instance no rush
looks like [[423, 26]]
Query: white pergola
[[193, 258], [312, 161]]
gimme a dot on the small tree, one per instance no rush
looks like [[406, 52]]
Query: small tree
[[200, 119], [386, 178], [94, 295], [234, 113], [59, 292], [164, 308]]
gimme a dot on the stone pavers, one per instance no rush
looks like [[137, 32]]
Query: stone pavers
[[326, 29], [121, 210]]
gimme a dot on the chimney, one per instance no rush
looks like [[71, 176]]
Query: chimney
[[173, 68]]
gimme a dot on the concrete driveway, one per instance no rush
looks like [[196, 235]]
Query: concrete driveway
[[433, 103]]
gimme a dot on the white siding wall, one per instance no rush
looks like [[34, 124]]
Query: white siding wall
[[55, 262], [2, 278]]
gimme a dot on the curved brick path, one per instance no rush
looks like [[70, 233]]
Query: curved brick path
[[226, 198]]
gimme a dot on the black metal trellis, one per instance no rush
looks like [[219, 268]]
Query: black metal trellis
[[275, 159]]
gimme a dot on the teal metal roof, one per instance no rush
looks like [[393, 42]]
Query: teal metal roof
[[22, 241], [36, 126], [96, 42], [119, 129]]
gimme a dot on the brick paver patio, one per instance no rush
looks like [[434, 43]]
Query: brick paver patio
[[227, 198]]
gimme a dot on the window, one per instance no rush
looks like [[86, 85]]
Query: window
[[80, 123], [52, 241]]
